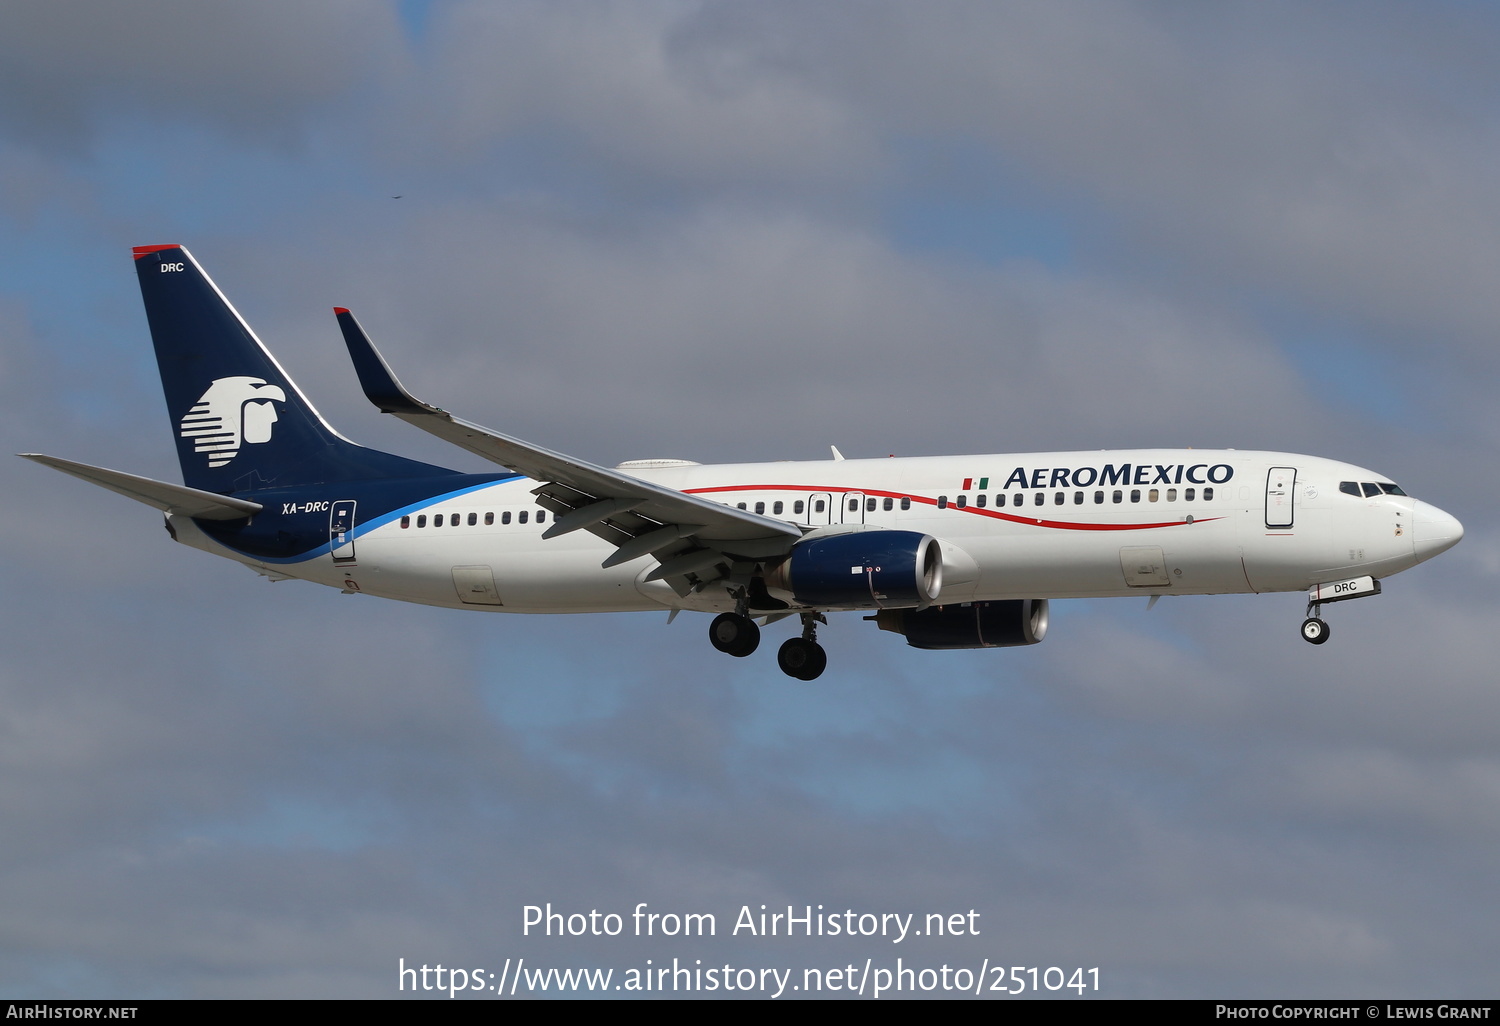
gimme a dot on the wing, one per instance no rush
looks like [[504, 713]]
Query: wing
[[169, 498], [693, 539]]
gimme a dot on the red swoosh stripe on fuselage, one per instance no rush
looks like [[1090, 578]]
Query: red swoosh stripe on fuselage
[[1061, 525]]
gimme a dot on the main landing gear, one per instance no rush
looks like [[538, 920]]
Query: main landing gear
[[737, 635], [734, 634], [803, 657]]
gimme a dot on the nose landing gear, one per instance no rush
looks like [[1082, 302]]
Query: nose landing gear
[[1315, 630]]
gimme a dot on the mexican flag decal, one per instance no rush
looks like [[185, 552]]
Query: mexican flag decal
[[984, 483]]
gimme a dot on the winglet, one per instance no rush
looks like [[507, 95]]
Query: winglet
[[375, 377]]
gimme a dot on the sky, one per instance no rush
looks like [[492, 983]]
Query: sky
[[731, 232]]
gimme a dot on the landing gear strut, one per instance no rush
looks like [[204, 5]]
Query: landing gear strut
[[803, 657]]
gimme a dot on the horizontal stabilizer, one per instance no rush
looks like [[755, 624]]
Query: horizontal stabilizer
[[170, 498]]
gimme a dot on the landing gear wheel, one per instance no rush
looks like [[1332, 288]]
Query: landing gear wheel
[[734, 634], [802, 659], [1314, 630]]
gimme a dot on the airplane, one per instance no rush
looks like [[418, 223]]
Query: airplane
[[950, 552]]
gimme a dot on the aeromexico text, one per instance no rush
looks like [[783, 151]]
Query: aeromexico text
[[805, 921], [1118, 474]]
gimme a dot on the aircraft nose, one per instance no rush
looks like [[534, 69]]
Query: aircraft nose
[[1433, 531]]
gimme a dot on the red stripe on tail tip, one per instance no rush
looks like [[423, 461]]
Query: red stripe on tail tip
[[140, 251], [340, 310]]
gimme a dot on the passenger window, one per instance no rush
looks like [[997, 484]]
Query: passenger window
[[1059, 498], [1098, 498], [889, 504], [760, 507], [473, 519], [1171, 494], [1208, 495], [776, 507], [505, 517], [1118, 496], [422, 520], [1038, 499], [853, 505], [869, 505], [405, 523], [1135, 495], [1153, 495], [1078, 498], [742, 505], [906, 502], [1187, 493], [942, 502], [798, 506], [999, 499], [437, 521], [541, 516], [489, 519], [980, 499], [817, 508], [522, 518], [963, 501], [1350, 488]]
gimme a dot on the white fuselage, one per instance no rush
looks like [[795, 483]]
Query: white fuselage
[[1032, 525]]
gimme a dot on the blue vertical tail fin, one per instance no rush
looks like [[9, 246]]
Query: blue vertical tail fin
[[240, 422]]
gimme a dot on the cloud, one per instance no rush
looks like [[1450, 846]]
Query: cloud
[[68, 68]]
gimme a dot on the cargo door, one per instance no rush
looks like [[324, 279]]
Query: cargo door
[[476, 586], [1144, 566]]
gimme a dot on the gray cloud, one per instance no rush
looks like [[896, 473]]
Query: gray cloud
[[68, 69]]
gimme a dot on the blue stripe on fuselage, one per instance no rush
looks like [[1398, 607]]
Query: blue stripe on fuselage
[[286, 532]]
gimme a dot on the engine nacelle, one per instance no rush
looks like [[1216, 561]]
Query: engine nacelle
[[1006, 624], [861, 570]]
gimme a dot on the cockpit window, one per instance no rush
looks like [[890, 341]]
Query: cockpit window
[[1371, 489], [1350, 488], [1390, 489]]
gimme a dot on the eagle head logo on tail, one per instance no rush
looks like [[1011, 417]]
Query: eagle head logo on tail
[[233, 412]]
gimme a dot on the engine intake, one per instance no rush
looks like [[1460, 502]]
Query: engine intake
[[862, 570], [1005, 624]]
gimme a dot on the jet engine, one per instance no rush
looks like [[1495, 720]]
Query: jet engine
[[861, 570], [1005, 624]]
